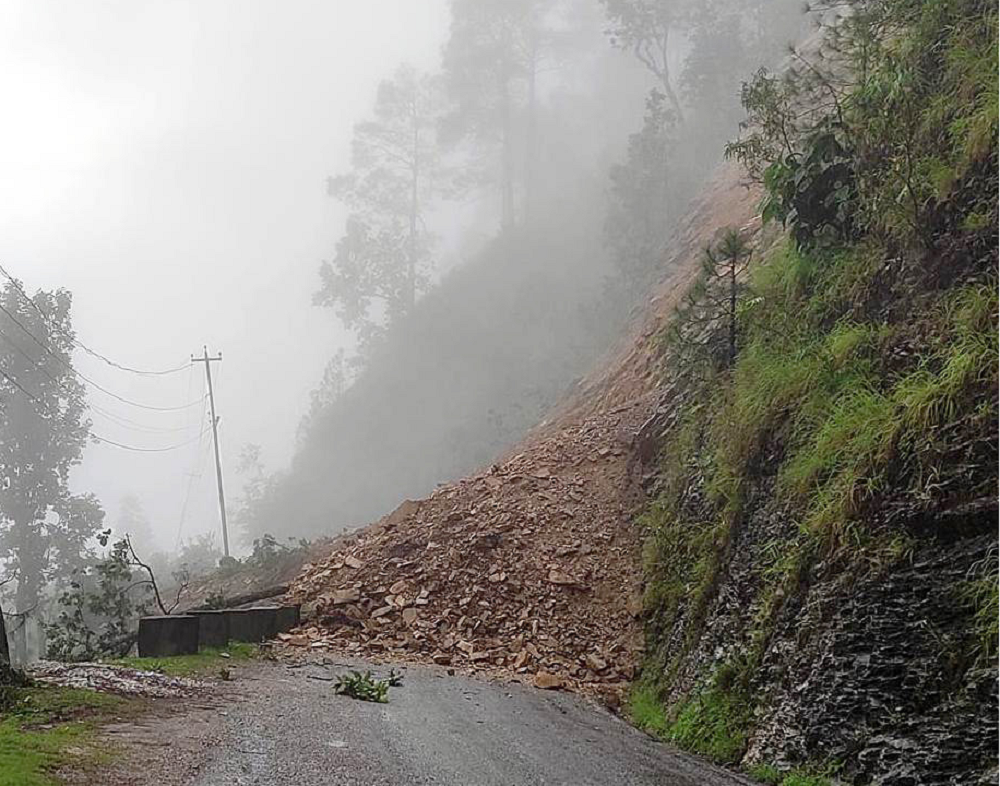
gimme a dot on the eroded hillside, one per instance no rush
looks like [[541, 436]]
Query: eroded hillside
[[532, 567], [809, 514]]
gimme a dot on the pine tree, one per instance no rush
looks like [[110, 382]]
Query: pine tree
[[707, 321]]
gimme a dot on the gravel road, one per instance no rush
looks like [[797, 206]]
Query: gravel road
[[283, 725]]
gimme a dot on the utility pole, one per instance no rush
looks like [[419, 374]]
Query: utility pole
[[215, 440]]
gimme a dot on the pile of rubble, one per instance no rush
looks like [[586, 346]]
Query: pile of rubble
[[113, 679], [528, 570]]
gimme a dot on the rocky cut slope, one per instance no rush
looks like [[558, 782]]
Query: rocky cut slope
[[822, 563], [529, 569]]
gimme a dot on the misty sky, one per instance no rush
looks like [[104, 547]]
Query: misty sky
[[165, 161]]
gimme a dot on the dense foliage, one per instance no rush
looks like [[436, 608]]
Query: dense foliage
[[97, 612]]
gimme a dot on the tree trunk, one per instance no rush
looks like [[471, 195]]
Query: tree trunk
[[411, 281], [507, 155], [8, 674], [4, 648], [239, 600], [668, 87], [732, 311], [531, 141], [31, 559]]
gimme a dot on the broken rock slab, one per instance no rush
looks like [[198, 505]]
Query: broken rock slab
[[547, 681]]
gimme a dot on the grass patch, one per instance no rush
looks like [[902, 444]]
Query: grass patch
[[44, 727], [771, 775], [41, 704], [981, 593], [766, 773], [646, 712], [27, 758], [203, 662], [712, 722]]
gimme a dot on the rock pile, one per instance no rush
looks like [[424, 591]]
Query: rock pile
[[529, 570], [113, 679]]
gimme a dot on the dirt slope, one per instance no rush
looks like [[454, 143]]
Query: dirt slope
[[529, 569]]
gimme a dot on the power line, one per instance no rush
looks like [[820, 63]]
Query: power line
[[17, 384], [147, 450], [89, 381], [119, 420], [201, 456], [80, 344], [98, 437], [127, 423]]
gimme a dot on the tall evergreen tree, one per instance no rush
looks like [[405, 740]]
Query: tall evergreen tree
[[491, 64], [708, 318], [384, 253]]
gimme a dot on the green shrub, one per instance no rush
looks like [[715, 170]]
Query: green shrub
[[982, 593], [771, 775]]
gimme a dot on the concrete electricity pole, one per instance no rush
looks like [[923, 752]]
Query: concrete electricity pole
[[215, 440]]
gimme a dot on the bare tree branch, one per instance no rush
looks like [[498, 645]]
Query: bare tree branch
[[149, 571]]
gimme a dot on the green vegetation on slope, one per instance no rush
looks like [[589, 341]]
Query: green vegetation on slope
[[861, 406]]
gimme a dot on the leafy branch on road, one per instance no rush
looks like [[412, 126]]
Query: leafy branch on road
[[364, 687]]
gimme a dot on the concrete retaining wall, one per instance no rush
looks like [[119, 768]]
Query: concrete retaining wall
[[174, 634], [185, 634], [213, 628]]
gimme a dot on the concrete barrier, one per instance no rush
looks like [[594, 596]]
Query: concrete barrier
[[184, 634], [253, 625], [288, 618], [261, 623], [243, 625], [213, 628], [163, 636], [268, 616]]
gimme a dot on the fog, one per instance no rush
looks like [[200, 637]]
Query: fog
[[165, 162], [409, 228]]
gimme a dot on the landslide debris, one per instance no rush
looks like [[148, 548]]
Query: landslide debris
[[531, 569]]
